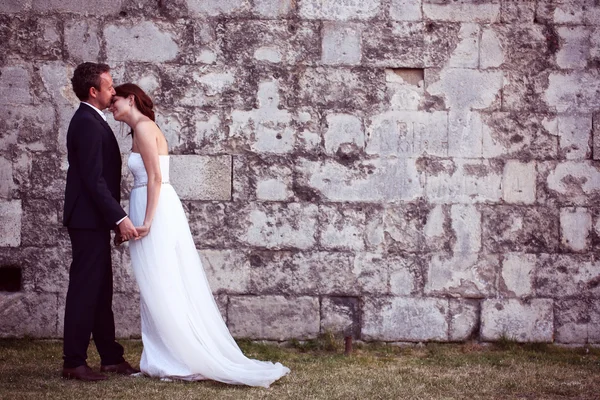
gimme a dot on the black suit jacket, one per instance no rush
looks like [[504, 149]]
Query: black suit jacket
[[93, 189]]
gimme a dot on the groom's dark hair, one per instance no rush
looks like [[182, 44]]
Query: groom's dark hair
[[86, 76]]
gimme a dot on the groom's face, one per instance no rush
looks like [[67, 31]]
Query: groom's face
[[106, 91]]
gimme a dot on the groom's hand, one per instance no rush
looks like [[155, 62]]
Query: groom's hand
[[127, 230]]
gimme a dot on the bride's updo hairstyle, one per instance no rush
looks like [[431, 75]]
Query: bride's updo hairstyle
[[142, 101]]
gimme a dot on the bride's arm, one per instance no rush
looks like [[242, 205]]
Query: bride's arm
[[145, 137]]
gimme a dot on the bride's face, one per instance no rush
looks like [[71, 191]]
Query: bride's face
[[119, 107]]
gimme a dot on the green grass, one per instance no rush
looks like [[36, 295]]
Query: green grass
[[30, 369]]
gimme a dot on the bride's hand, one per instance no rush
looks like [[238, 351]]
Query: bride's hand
[[142, 231]]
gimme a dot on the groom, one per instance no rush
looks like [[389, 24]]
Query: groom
[[91, 211]]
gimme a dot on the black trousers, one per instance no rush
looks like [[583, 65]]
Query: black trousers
[[88, 309]]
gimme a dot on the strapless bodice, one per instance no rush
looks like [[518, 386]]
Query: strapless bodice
[[136, 166]]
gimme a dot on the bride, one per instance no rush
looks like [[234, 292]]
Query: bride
[[183, 333]]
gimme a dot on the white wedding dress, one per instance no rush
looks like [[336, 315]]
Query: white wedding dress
[[183, 333]]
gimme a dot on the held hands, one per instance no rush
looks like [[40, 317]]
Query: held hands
[[135, 233]]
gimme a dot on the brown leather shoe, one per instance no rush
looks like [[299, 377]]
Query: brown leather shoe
[[124, 368], [83, 373]]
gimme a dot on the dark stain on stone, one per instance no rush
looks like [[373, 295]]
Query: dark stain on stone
[[516, 138], [255, 260], [305, 193], [478, 170], [552, 39], [435, 166]]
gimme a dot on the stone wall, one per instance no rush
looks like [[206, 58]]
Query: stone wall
[[398, 170]]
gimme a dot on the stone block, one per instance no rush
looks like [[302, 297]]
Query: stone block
[[227, 271], [15, 85], [40, 224], [466, 53], [567, 275], [519, 135], [462, 11], [522, 229], [207, 222], [81, 40], [575, 228], [406, 273], [29, 127], [403, 226], [10, 223], [462, 275], [408, 134], [280, 318], [574, 132], [340, 315], [344, 135], [269, 126], [276, 225], [342, 228], [519, 182], [101, 7], [573, 92], [267, 178], [437, 233], [465, 134], [126, 308], [491, 53], [214, 8], [364, 181], [341, 43], [406, 10], [513, 12], [335, 10], [467, 89], [441, 38], [28, 314], [274, 42], [463, 181], [596, 136], [405, 319], [396, 45], [273, 8], [201, 177], [466, 224], [274, 272], [464, 320], [15, 6], [145, 42], [575, 47], [123, 276], [584, 12], [531, 321], [569, 182], [405, 88], [339, 89], [7, 183], [572, 320], [47, 269], [517, 274]]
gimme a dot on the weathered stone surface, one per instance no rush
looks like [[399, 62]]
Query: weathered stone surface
[[596, 136], [406, 10], [396, 45], [467, 89], [201, 177], [29, 127], [520, 136], [341, 44], [342, 228], [7, 183], [517, 274], [273, 8], [461, 180], [527, 229], [531, 321], [517, 11], [15, 85], [403, 227], [263, 178], [408, 134], [276, 226], [81, 40], [377, 180], [15, 6], [570, 12], [31, 314], [10, 223], [281, 318], [405, 88], [335, 10], [142, 42], [344, 135], [405, 319], [573, 320], [574, 136], [40, 223], [227, 271], [566, 275], [208, 224], [575, 47], [341, 89], [575, 228], [573, 91], [126, 308], [491, 54], [464, 319], [466, 53], [101, 7], [406, 273], [569, 182], [518, 182], [462, 275], [123, 276], [340, 315], [289, 43], [462, 11]]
